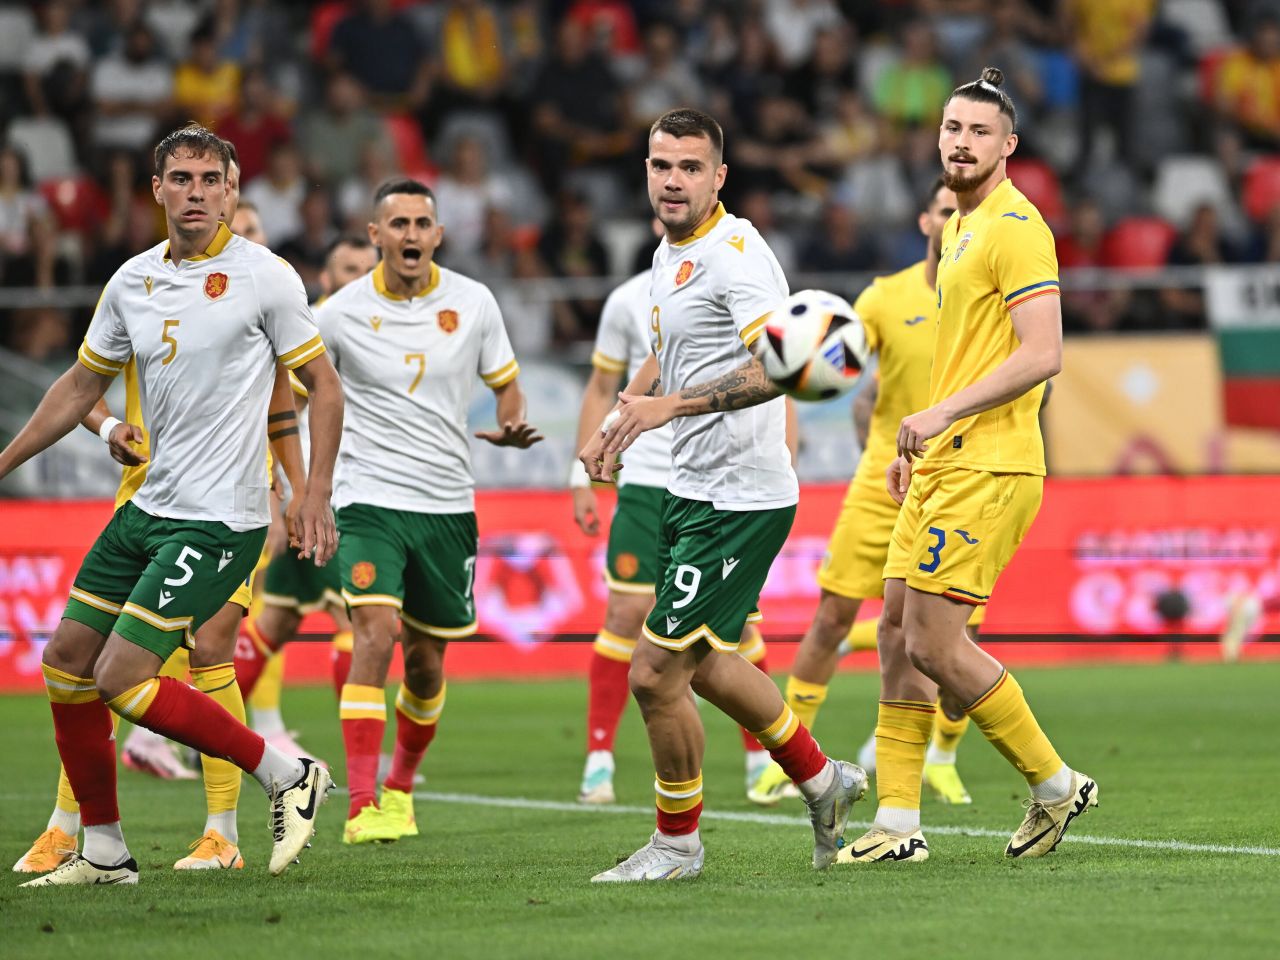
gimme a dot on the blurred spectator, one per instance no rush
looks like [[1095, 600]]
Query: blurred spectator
[[472, 60], [334, 138], [244, 35], [1201, 244], [1086, 310], [852, 133], [1107, 37], [131, 90], [55, 64], [307, 249], [26, 229], [130, 225], [256, 126], [42, 335], [173, 22], [508, 253], [913, 90], [1247, 91], [570, 248], [106, 25], [666, 79], [278, 194], [204, 86], [757, 206], [827, 76], [355, 195], [836, 244], [569, 129], [746, 79], [607, 26], [383, 50], [772, 157], [465, 193], [795, 24], [1004, 46]]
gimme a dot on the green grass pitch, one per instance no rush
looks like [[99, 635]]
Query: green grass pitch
[[1185, 756]]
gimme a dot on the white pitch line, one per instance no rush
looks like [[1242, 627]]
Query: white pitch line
[[777, 819]]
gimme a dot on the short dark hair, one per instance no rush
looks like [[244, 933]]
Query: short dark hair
[[355, 241], [233, 155], [688, 122], [196, 140], [988, 89], [402, 185], [928, 198], [248, 205]]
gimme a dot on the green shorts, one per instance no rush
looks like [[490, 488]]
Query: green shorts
[[632, 561], [423, 564], [155, 581], [299, 585], [714, 564]]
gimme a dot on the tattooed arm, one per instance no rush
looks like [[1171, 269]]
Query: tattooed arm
[[746, 386]]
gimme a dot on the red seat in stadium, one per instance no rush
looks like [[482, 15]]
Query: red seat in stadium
[[1261, 193], [1137, 242], [1037, 181]]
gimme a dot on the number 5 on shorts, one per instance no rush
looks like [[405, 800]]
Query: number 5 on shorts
[[935, 550]]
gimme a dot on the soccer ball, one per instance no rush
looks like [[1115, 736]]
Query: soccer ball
[[814, 346]]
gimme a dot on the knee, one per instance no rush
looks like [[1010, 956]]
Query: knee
[[424, 670], [646, 684], [834, 618], [623, 617], [110, 680], [925, 656]]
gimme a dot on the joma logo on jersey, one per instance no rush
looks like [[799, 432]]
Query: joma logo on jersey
[[363, 574], [962, 246], [448, 320], [215, 285], [685, 272]]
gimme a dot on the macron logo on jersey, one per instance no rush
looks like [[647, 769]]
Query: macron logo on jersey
[[726, 567]]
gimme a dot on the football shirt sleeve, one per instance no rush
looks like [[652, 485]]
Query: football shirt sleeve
[[1022, 258], [748, 281], [286, 315], [867, 307], [610, 353], [106, 347], [497, 365]]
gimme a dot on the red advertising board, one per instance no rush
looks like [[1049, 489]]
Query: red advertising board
[[1098, 555]]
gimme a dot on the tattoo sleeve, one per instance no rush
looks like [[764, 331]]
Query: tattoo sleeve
[[744, 387], [655, 388]]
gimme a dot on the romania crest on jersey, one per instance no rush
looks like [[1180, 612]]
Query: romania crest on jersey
[[962, 246], [684, 272], [215, 285], [363, 574], [448, 320]]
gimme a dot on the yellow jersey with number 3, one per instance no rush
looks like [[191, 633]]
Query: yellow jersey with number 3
[[999, 256]]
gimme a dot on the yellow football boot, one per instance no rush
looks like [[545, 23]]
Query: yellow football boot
[[1045, 823], [884, 846], [944, 780], [370, 826], [212, 851], [397, 810], [51, 850], [771, 786]]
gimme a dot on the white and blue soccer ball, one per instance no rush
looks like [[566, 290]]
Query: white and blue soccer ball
[[814, 346]]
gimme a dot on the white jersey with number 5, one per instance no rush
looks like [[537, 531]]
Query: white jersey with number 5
[[205, 334], [622, 344], [408, 367], [709, 295]]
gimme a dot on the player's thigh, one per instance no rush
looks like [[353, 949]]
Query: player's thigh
[[631, 560], [195, 567], [423, 661], [659, 674], [216, 640], [853, 565], [108, 574], [74, 648], [371, 558], [970, 525], [719, 562], [624, 613], [439, 575]]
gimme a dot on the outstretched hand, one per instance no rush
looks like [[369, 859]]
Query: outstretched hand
[[513, 434]]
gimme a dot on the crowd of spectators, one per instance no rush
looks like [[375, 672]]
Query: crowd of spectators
[[1148, 130]]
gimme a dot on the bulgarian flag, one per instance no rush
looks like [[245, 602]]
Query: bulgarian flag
[[1243, 304]]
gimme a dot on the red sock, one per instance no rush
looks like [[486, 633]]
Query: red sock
[[253, 651], [83, 732], [412, 740], [800, 757], [339, 667], [679, 824], [750, 743], [607, 693], [188, 716], [363, 740]]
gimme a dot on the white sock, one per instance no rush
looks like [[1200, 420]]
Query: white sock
[[599, 759], [1056, 788], [267, 722], [817, 785], [68, 823], [685, 843], [757, 760], [277, 771], [104, 845], [141, 738], [867, 755], [943, 757], [225, 824], [897, 819]]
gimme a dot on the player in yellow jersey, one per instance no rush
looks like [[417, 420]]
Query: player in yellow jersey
[[208, 664], [970, 476], [897, 312]]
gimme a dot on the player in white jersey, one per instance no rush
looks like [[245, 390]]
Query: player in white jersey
[[205, 317], [409, 341], [622, 345], [730, 501]]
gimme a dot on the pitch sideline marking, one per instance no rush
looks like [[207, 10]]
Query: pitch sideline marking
[[777, 819]]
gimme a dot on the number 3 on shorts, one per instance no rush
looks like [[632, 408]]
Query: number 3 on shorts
[[935, 550]]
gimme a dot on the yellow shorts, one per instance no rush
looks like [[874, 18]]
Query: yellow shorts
[[958, 530], [243, 597], [853, 565]]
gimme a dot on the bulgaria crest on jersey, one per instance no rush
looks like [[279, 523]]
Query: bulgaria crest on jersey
[[961, 246], [215, 285], [448, 320], [627, 565], [684, 272], [363, 574]]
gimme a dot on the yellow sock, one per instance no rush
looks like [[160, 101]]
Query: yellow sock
[[221, 777], [1004, 717], [266, 694], [66, 801], [805, 698], [613, 646], [751, 647], [679, 804], [423, 711], [136, 701], [178, 665], [947, 732], [902, 733], [344, 641], [862, 635]]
